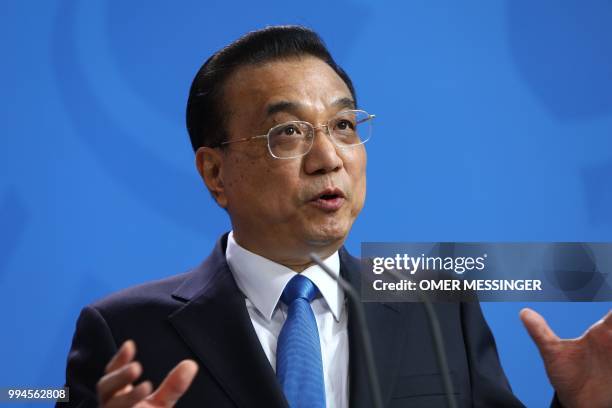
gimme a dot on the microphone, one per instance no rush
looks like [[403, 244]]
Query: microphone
[[436, 333], [365, 337]]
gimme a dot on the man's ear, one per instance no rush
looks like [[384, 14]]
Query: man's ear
[[209, 163]]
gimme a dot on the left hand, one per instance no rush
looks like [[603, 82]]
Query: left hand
[[579, 369]]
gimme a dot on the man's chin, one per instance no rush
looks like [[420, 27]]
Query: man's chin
[[329, 237]]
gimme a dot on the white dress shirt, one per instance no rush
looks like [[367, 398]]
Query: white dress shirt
[[262, 281]]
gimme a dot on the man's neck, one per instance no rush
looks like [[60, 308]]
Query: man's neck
[[296, 259]]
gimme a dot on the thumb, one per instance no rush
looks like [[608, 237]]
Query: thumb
[[541, 334]]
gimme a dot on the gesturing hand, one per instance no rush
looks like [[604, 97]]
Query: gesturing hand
[[579, 369], [115, 389]]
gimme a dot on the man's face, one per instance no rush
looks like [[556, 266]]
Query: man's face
[[284, 209]]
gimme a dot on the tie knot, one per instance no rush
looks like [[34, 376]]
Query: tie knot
[[299, 287]]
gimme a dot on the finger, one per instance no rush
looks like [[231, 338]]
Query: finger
[[607, 320], [538, 329], [125, 389], [131, 398], [602, 327], [124, 355], [175, 384], [117, 380]]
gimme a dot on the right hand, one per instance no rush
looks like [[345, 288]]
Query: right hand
[[115, 389]]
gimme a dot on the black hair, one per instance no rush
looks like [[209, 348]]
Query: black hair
[[205, 110]]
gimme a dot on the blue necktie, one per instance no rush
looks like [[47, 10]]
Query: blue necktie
[[299, 367]]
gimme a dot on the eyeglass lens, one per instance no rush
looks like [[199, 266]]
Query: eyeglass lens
[[295, 138]]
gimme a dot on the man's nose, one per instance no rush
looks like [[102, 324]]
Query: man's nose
[[323, 156]]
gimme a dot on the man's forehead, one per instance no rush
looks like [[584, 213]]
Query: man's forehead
[[288, 85], [342, 102]]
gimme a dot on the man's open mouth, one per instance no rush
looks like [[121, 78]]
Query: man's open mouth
[[329, 196], [329, 200]]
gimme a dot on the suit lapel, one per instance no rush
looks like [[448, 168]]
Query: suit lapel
[[216, 325], [386, 325]]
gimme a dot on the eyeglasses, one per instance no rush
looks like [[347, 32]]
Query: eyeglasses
[[294, 139]]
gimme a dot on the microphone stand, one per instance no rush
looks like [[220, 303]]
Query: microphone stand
[[365, 338], [434, 325], [436, 333]]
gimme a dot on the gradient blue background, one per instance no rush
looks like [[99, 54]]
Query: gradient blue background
[[494, 123]]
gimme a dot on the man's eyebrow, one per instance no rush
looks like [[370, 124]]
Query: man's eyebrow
[[293, 107], [282, 106], [344, 103]]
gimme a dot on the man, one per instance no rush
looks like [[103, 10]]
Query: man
[[279, 145]]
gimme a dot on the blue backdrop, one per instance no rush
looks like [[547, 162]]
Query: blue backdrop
[[494, 123]]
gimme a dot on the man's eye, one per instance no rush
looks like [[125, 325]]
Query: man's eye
[[344, 125], [290, 130]]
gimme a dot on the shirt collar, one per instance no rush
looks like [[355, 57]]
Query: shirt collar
[[262, 281]]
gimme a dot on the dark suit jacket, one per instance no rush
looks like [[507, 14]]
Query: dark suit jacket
[[201, 314]]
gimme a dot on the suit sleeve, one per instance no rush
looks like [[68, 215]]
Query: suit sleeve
[[92, 348], [490, 387]]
